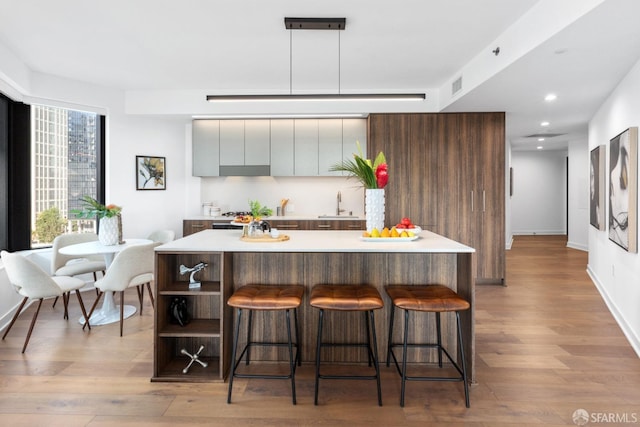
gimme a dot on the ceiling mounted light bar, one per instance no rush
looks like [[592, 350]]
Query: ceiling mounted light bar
[[320, 97], [283, 116], [315, 23]]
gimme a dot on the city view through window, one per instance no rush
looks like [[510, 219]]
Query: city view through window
[[64, 149]]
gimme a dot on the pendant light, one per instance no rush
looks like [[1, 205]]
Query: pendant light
[[317, 24]]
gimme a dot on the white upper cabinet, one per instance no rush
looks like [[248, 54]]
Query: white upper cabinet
[[206, 147], [257, 142], [276, 147], [353, 131], [306, 147], [282, 147], [330, 143], [232, 142]]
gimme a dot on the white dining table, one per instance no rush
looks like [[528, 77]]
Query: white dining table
[[109, 312]]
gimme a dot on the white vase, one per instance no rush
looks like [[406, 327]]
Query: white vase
[[108, 231], [374, 208]]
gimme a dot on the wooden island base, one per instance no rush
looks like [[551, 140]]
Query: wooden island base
[[307, 259]]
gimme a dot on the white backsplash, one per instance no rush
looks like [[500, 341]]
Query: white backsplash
[[309, 196]]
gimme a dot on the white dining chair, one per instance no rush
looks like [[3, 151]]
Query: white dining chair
[[162, 236], [70, 265], [32, 282], [159, 236], [131, 267]]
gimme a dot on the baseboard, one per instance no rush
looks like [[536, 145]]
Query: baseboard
[[540, 232], [626, 328], [577, 246]]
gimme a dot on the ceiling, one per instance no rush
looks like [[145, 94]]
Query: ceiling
[[242, 46]]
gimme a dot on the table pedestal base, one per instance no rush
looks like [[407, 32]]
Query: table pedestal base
[[101, 317], [109, 312]]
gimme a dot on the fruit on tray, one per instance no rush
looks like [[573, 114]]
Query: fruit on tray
[[389, 234], [405, 223], [243, 219]]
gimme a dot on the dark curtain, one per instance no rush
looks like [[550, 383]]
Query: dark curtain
[[15, 182]]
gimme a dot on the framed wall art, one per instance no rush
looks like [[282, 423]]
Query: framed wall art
[[623, 190], [597, 190], [150, 173]]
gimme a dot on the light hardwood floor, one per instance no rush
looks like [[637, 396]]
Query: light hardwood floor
[[546, 346]]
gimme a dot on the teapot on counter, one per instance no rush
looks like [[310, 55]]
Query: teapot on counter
[[255, 226]]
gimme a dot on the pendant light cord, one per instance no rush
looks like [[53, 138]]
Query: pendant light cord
[[339, 65], [290, 62]]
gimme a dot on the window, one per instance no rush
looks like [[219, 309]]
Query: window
[[65, 151]]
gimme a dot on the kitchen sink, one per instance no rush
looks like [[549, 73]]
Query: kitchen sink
[[337, 217]]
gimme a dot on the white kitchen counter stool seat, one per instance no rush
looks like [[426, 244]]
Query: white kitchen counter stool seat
[[32, 282]]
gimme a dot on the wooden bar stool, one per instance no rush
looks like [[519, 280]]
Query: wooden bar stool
[[361, 298], [266, 297], [426, 298]]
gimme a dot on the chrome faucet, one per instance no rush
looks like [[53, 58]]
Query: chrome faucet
[[339, 199]]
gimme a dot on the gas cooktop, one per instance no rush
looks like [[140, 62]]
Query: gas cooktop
[[238, 213]]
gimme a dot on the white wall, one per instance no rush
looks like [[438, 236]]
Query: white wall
[[538, 204], [616, 272], [578, 196], [307, 196]]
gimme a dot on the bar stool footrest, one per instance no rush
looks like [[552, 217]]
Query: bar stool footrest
[[418, 378]]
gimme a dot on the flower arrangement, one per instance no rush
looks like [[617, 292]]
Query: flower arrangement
[[371, 174], [257, 210], [94, 208]]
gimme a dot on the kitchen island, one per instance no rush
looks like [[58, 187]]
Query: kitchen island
[[307, 258]]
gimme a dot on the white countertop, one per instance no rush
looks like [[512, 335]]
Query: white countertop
[[312, 241], [280, 218]]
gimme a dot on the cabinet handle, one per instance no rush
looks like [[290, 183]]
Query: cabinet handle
[[287, 226], [324, 225], [483, 201], [471, 201], [197, 226], [355, 227]]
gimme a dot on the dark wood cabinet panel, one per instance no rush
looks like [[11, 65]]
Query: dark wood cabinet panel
[[208, 323], [447, 174], [190, 226], [312, 224]]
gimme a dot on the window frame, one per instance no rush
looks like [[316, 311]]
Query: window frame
[[15, 180]]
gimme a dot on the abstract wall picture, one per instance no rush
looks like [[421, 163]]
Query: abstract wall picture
[[623, 190], [597, 190], [150, 173]]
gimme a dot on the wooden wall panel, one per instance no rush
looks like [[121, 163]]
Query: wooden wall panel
[[443, 166]]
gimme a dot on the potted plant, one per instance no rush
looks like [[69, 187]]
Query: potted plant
[[108, 216], [374, 176]]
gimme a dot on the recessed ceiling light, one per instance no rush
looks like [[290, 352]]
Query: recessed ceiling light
[[539, 147], [545, 124], [540, 139], [551, 97]]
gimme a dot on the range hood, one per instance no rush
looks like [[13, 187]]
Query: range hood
[[245, 170]]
